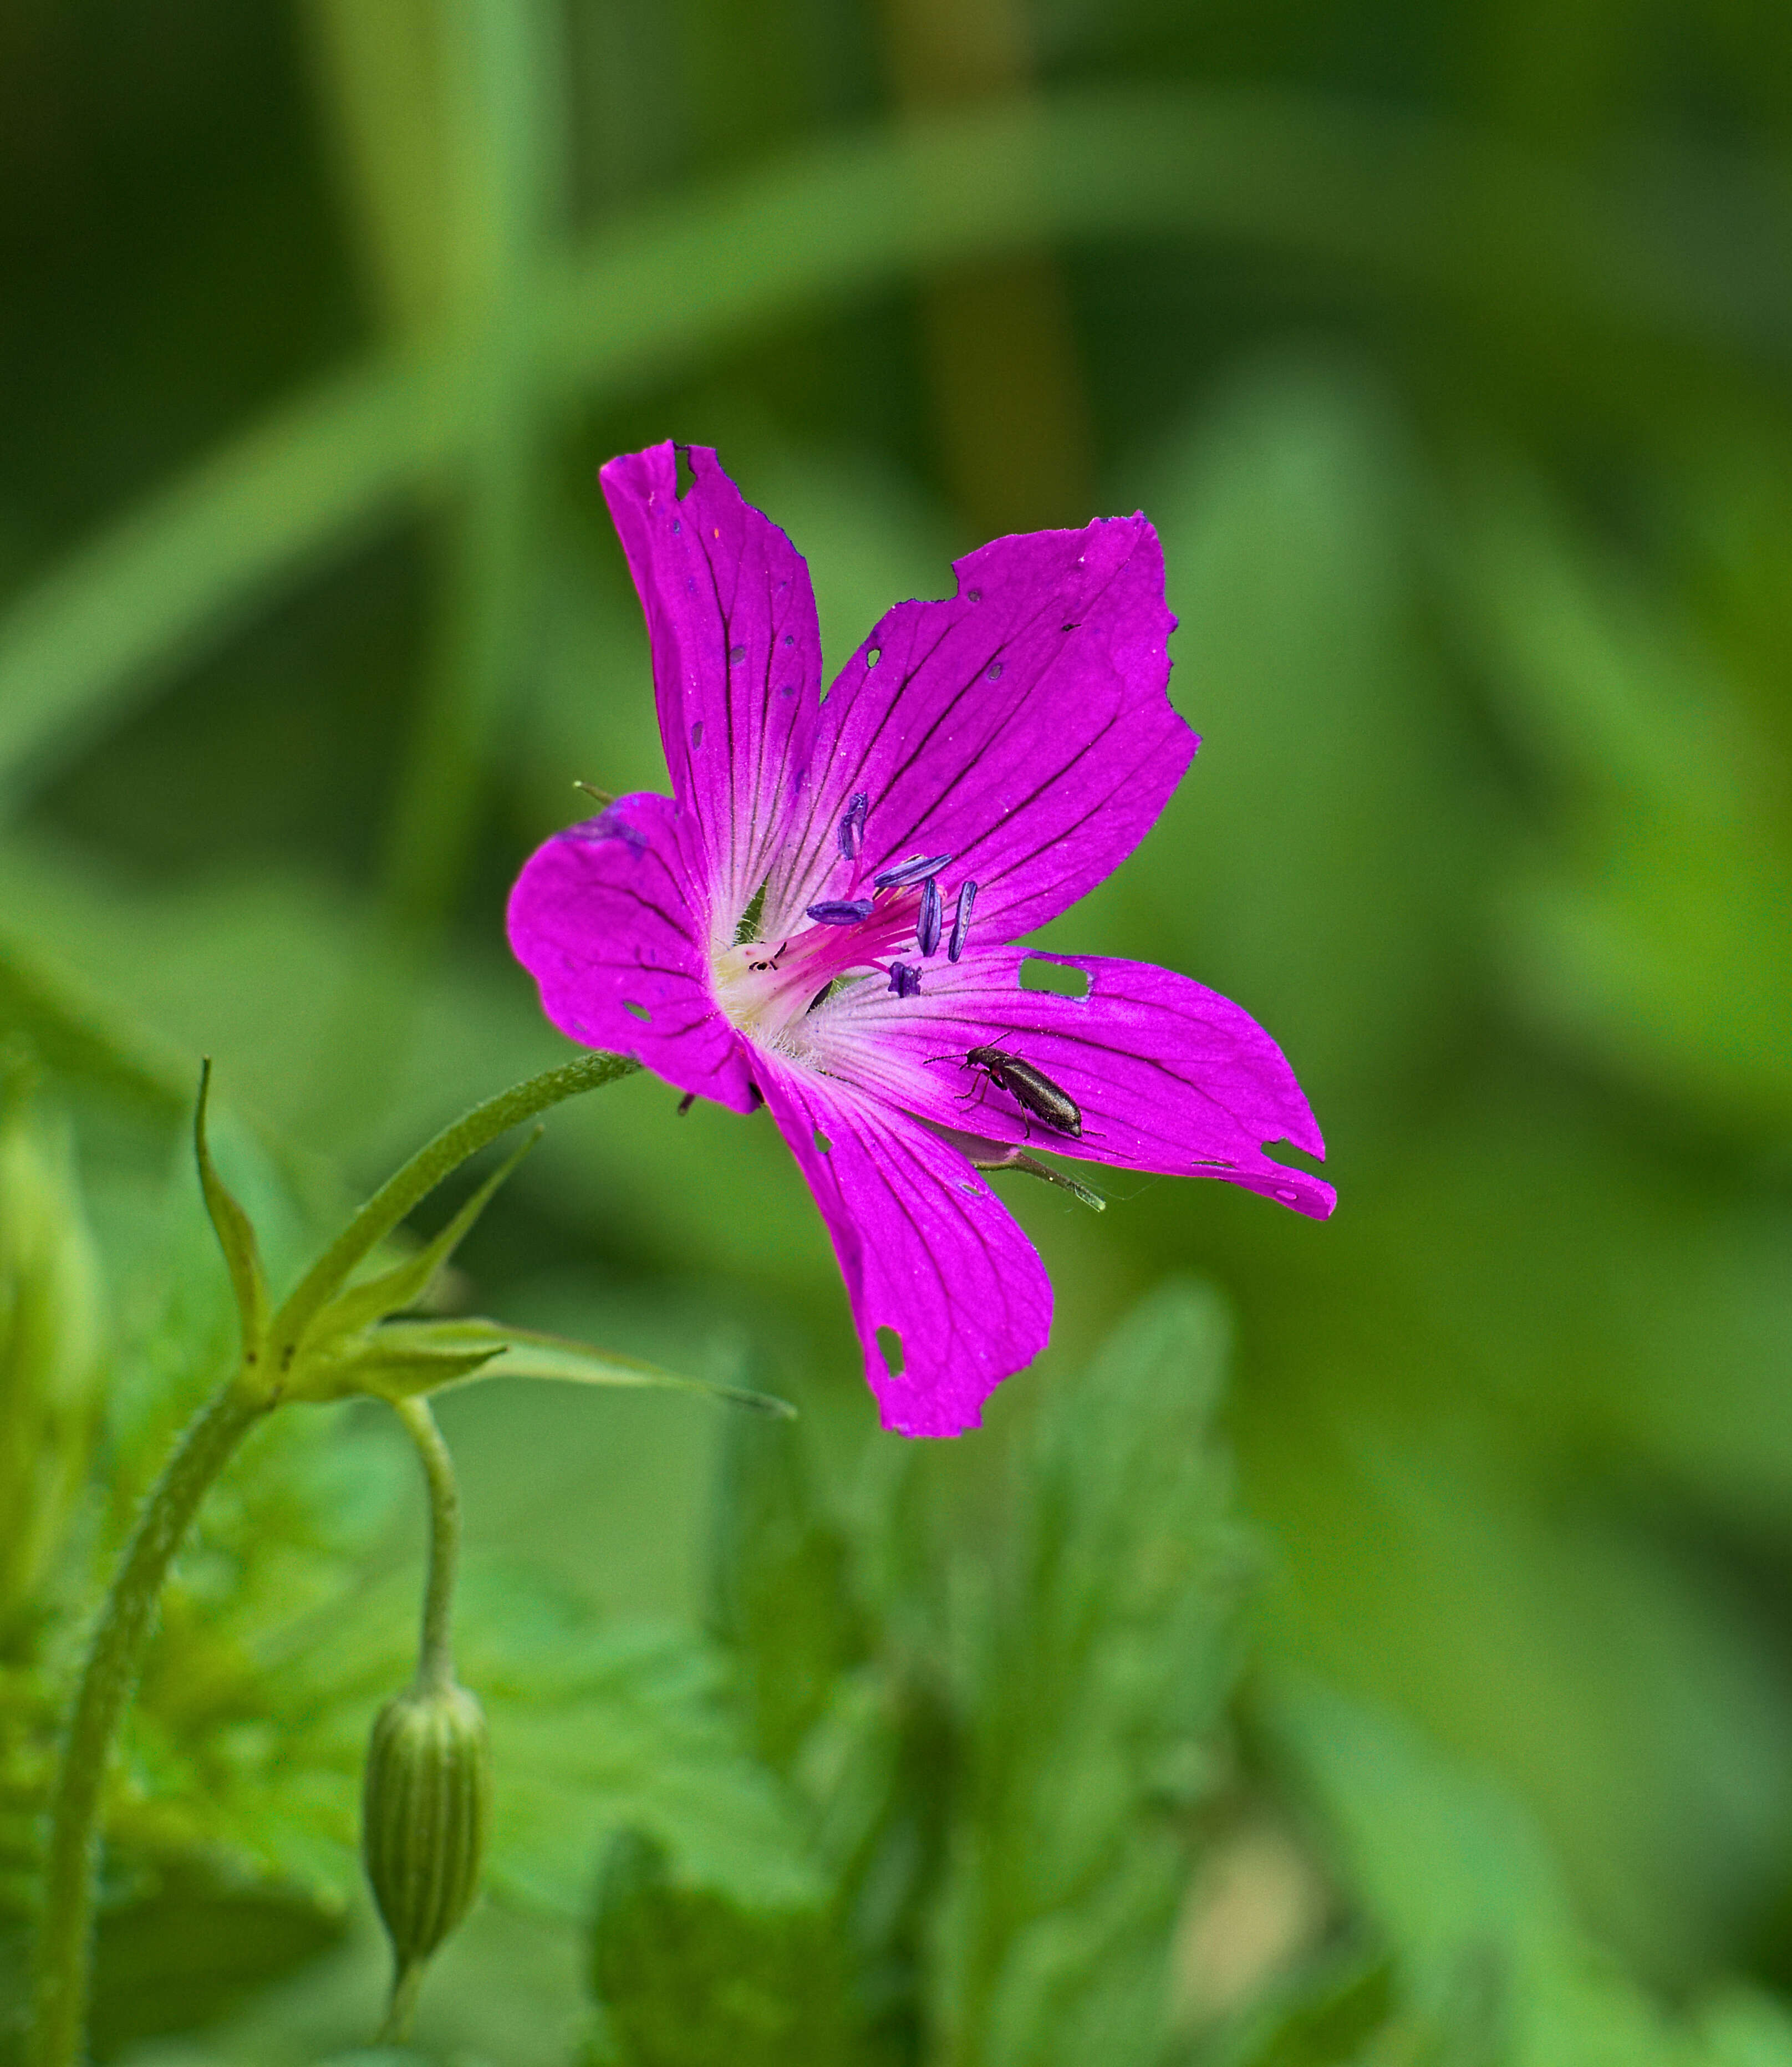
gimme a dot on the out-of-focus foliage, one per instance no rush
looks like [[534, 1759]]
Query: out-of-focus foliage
[[1447, 348], [997, 1769]]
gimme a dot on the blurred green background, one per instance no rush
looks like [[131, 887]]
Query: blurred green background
[[1450, 348]]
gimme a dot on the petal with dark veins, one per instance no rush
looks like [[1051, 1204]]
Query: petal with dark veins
[[926, 1248], [605, 917]]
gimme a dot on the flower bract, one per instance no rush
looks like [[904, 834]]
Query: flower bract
[[823, 914]]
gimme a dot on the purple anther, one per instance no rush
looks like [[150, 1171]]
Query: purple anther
[[842, 910], [927, 926], [916, 869], [852, 825], [961, 919], [905, 980]]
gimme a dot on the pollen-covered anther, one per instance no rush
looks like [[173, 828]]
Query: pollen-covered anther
[[927, 925], [905, 979], [917, 868]]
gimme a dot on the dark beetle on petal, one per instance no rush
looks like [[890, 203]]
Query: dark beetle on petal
[[1030, 1087]]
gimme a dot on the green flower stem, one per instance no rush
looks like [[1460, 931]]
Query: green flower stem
[[408, 1187], [434, 1665], [63, 1951], [63, 1954]]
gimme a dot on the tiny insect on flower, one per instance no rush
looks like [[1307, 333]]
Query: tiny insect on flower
[[1033, 1088], [793, 924]]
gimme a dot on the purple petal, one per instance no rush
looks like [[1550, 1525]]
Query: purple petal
[[1027, 731], [737, 660], [926, 1249], [605, 917], [1169, 1076]]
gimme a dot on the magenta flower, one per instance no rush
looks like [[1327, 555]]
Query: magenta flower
[[820, 917]]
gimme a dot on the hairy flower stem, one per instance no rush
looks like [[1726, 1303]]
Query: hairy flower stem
[[63, 1956], [435, 1664], [408, 1187], [64, 1953]]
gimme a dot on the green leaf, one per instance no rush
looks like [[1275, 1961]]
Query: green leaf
[[235, 1235], [779, 1593], [403, 1286], [690, 1977], [1113, 1652]]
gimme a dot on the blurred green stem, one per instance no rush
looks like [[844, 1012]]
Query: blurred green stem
[[435, 1664], [489, 144], [64, 1952]]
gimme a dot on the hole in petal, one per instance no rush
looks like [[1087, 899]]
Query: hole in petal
[[686, 473], [874, 656], [640, 1011], [1037, 973], [992, 672], [823, 1143], [974, 596], [889, 1343], [736, 654], [697, 735]]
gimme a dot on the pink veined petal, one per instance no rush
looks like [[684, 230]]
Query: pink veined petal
[[1168, 1075], [604, 916], [737, 660], [1021, 726], [925, 1247]]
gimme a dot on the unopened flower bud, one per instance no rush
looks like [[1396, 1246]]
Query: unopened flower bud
[[49, 1339], [424, 1813]]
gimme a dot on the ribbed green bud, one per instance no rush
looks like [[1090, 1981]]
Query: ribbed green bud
[[49, 1339], [424, 1812]]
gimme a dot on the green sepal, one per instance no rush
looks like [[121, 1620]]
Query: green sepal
[[402, 1360], [396, 1362], [236, 1236], [406, 1283], [528, 1353]]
